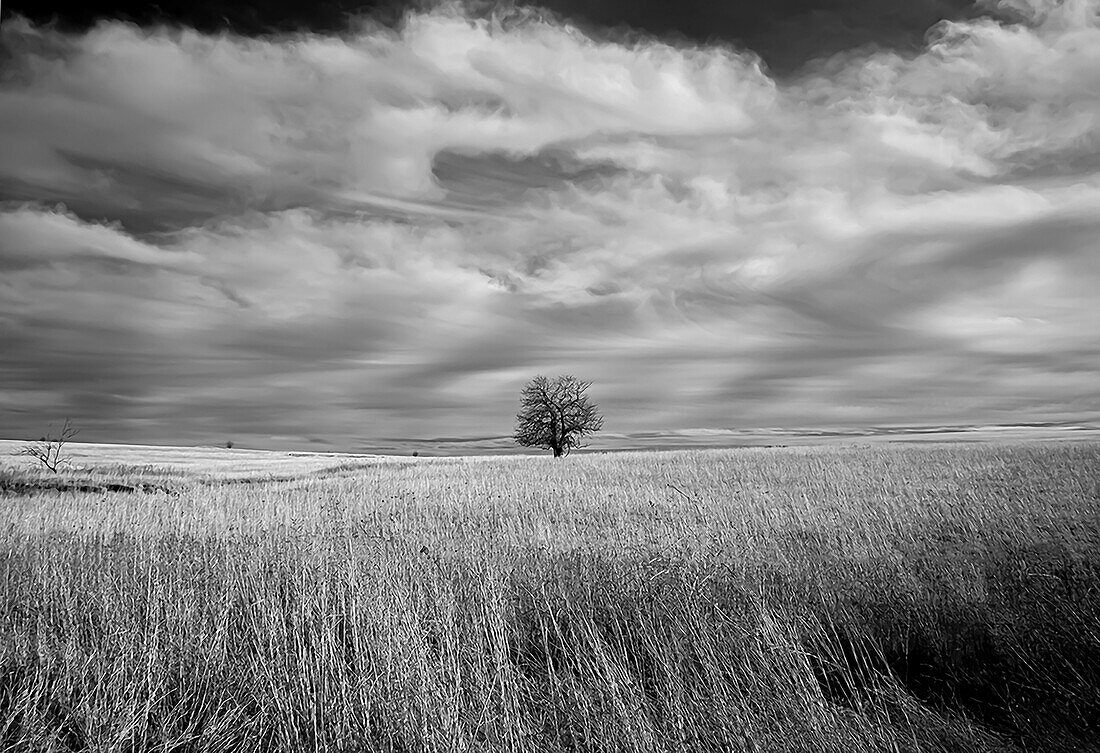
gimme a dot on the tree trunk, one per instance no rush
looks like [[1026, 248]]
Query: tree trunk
[[557, 452]]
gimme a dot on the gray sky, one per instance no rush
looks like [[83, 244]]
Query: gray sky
[[354, 239]]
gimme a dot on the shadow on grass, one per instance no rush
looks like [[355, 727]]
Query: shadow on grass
[[1022, 661], [31, 722], [1016, 668]]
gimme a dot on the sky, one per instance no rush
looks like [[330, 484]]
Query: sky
[[349, 227]]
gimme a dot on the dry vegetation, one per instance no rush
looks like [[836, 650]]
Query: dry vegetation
[[83, 459], [932, 598]]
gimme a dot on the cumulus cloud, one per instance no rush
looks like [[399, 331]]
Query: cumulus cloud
[[383, 233]]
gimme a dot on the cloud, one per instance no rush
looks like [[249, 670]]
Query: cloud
[[37, 238], [385, 232]]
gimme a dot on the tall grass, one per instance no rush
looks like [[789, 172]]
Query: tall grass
[[932, 598]]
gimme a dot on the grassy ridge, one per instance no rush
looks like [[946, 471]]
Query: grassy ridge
[[892, 598]]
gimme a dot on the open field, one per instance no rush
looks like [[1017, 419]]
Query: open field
[[99, 460], [887, 598]]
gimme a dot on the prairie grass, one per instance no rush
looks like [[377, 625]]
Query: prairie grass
[[893, 598], [82, 459]]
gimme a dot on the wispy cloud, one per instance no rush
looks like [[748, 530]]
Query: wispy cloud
[[386, 232]]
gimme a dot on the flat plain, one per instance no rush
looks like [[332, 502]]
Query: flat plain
[[895, 597]]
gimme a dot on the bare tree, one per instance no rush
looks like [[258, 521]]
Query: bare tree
[[48, 450], [556, 414]]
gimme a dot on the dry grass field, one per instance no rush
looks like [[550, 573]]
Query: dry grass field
[[86, 460], [886, 598]]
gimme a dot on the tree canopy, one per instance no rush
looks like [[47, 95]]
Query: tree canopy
[[556, 414]]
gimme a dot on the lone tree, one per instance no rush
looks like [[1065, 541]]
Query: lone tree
[[556, 414], [48, 451]]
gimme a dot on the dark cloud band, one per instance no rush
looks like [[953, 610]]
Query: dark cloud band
[[785, 34]]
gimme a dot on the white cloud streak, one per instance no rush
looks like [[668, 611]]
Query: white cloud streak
[[385, 233]]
